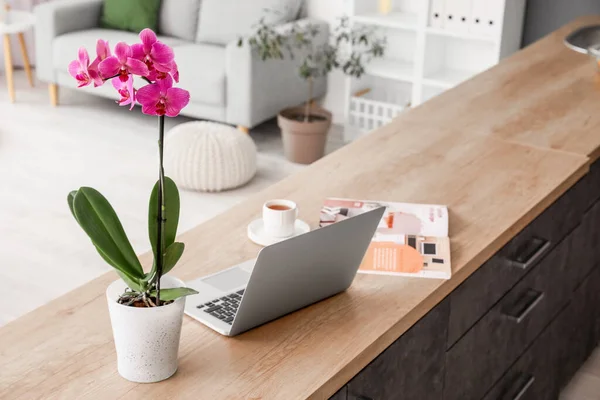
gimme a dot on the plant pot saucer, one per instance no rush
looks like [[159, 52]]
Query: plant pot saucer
[[256, 232]]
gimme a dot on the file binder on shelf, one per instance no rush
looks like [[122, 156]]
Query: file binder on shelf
[[486, 17], [437, 14], [458, 15]]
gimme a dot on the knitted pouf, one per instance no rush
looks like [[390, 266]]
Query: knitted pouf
[[209, 156]]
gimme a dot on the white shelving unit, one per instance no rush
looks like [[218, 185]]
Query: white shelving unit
[[396, 20], [432, 45], [393, 69]]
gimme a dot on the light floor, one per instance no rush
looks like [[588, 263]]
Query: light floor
[[586, 383], [46, 152]]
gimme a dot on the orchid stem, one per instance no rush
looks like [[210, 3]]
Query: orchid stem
[[161, 202], [110, 78]]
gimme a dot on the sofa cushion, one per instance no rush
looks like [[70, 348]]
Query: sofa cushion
[[65, 46], [179, 18], [202, 72], [130, 15], [222, 21]]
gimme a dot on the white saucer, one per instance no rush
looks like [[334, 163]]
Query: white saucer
[[256, 232]]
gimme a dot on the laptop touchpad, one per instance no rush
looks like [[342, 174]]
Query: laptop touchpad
[[228, 280]]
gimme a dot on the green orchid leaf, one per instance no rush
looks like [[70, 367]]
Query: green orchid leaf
[[132, 282], [170, 215], [70, 200], [149, 277], [99, 220], [172, 256], [174, 293]]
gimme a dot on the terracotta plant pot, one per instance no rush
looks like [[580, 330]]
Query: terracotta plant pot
[[304, 142]]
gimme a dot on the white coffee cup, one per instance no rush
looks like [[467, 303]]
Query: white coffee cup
[[279, 217]]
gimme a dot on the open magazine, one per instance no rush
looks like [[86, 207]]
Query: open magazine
[[411, 239]]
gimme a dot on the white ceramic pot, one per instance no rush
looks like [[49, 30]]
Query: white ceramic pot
[[146, 339]]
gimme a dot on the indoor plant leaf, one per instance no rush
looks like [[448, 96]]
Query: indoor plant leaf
[[99, 220], [131, 283], [129, 280], [172, 256], [170, 214], [70, 200], [174, 293]]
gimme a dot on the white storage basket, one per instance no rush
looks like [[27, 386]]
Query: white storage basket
[[374, 107]]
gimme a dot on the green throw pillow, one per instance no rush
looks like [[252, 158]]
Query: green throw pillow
[[130, 15]]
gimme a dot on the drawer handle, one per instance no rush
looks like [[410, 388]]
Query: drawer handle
[[524, 305], [530, 252], [525, 382]]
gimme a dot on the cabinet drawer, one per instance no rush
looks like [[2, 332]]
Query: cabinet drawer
[[580, 329], [341, 394], [475, 296], [594, 231], [585, 245], [411, 368], [480, 357], [534, 375], [593, 184]]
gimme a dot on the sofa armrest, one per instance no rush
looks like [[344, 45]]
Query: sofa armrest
[[56, 18], [257, 90]]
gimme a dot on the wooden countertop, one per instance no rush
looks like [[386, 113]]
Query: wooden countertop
[[545, 95], [493, 187]]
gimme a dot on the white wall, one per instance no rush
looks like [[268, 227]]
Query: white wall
[[330, 11]]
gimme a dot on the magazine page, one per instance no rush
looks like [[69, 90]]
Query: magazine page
[[411, 239]]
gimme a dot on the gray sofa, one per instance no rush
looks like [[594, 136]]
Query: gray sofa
[[227, 83]]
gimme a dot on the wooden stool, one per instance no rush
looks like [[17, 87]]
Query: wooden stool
[[15, 22]]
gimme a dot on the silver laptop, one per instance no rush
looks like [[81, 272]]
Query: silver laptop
[[285, 277]]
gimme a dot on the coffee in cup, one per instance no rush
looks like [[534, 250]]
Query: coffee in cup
[[279, 217], [278, 207]]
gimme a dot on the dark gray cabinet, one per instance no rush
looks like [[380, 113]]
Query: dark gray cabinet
[[547, 366], [411, 368], [474, 297], [534, 375], [518, 328], [579, 332], [592, 185], [481, 357], [585, 243], [341, 394]]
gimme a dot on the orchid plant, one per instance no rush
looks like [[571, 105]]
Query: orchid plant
[[154, 63]]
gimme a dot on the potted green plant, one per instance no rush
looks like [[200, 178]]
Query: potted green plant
[[304, 128], [146, 308]]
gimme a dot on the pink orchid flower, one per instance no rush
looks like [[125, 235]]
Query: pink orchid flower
[[154, 75], [154, 53], [122, 64], [151, 59], [161, 98], [126, 90], [175, 71], [102, 53], [79, 68]]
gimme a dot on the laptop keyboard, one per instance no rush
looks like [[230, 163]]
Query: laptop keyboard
[[224, 307]]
